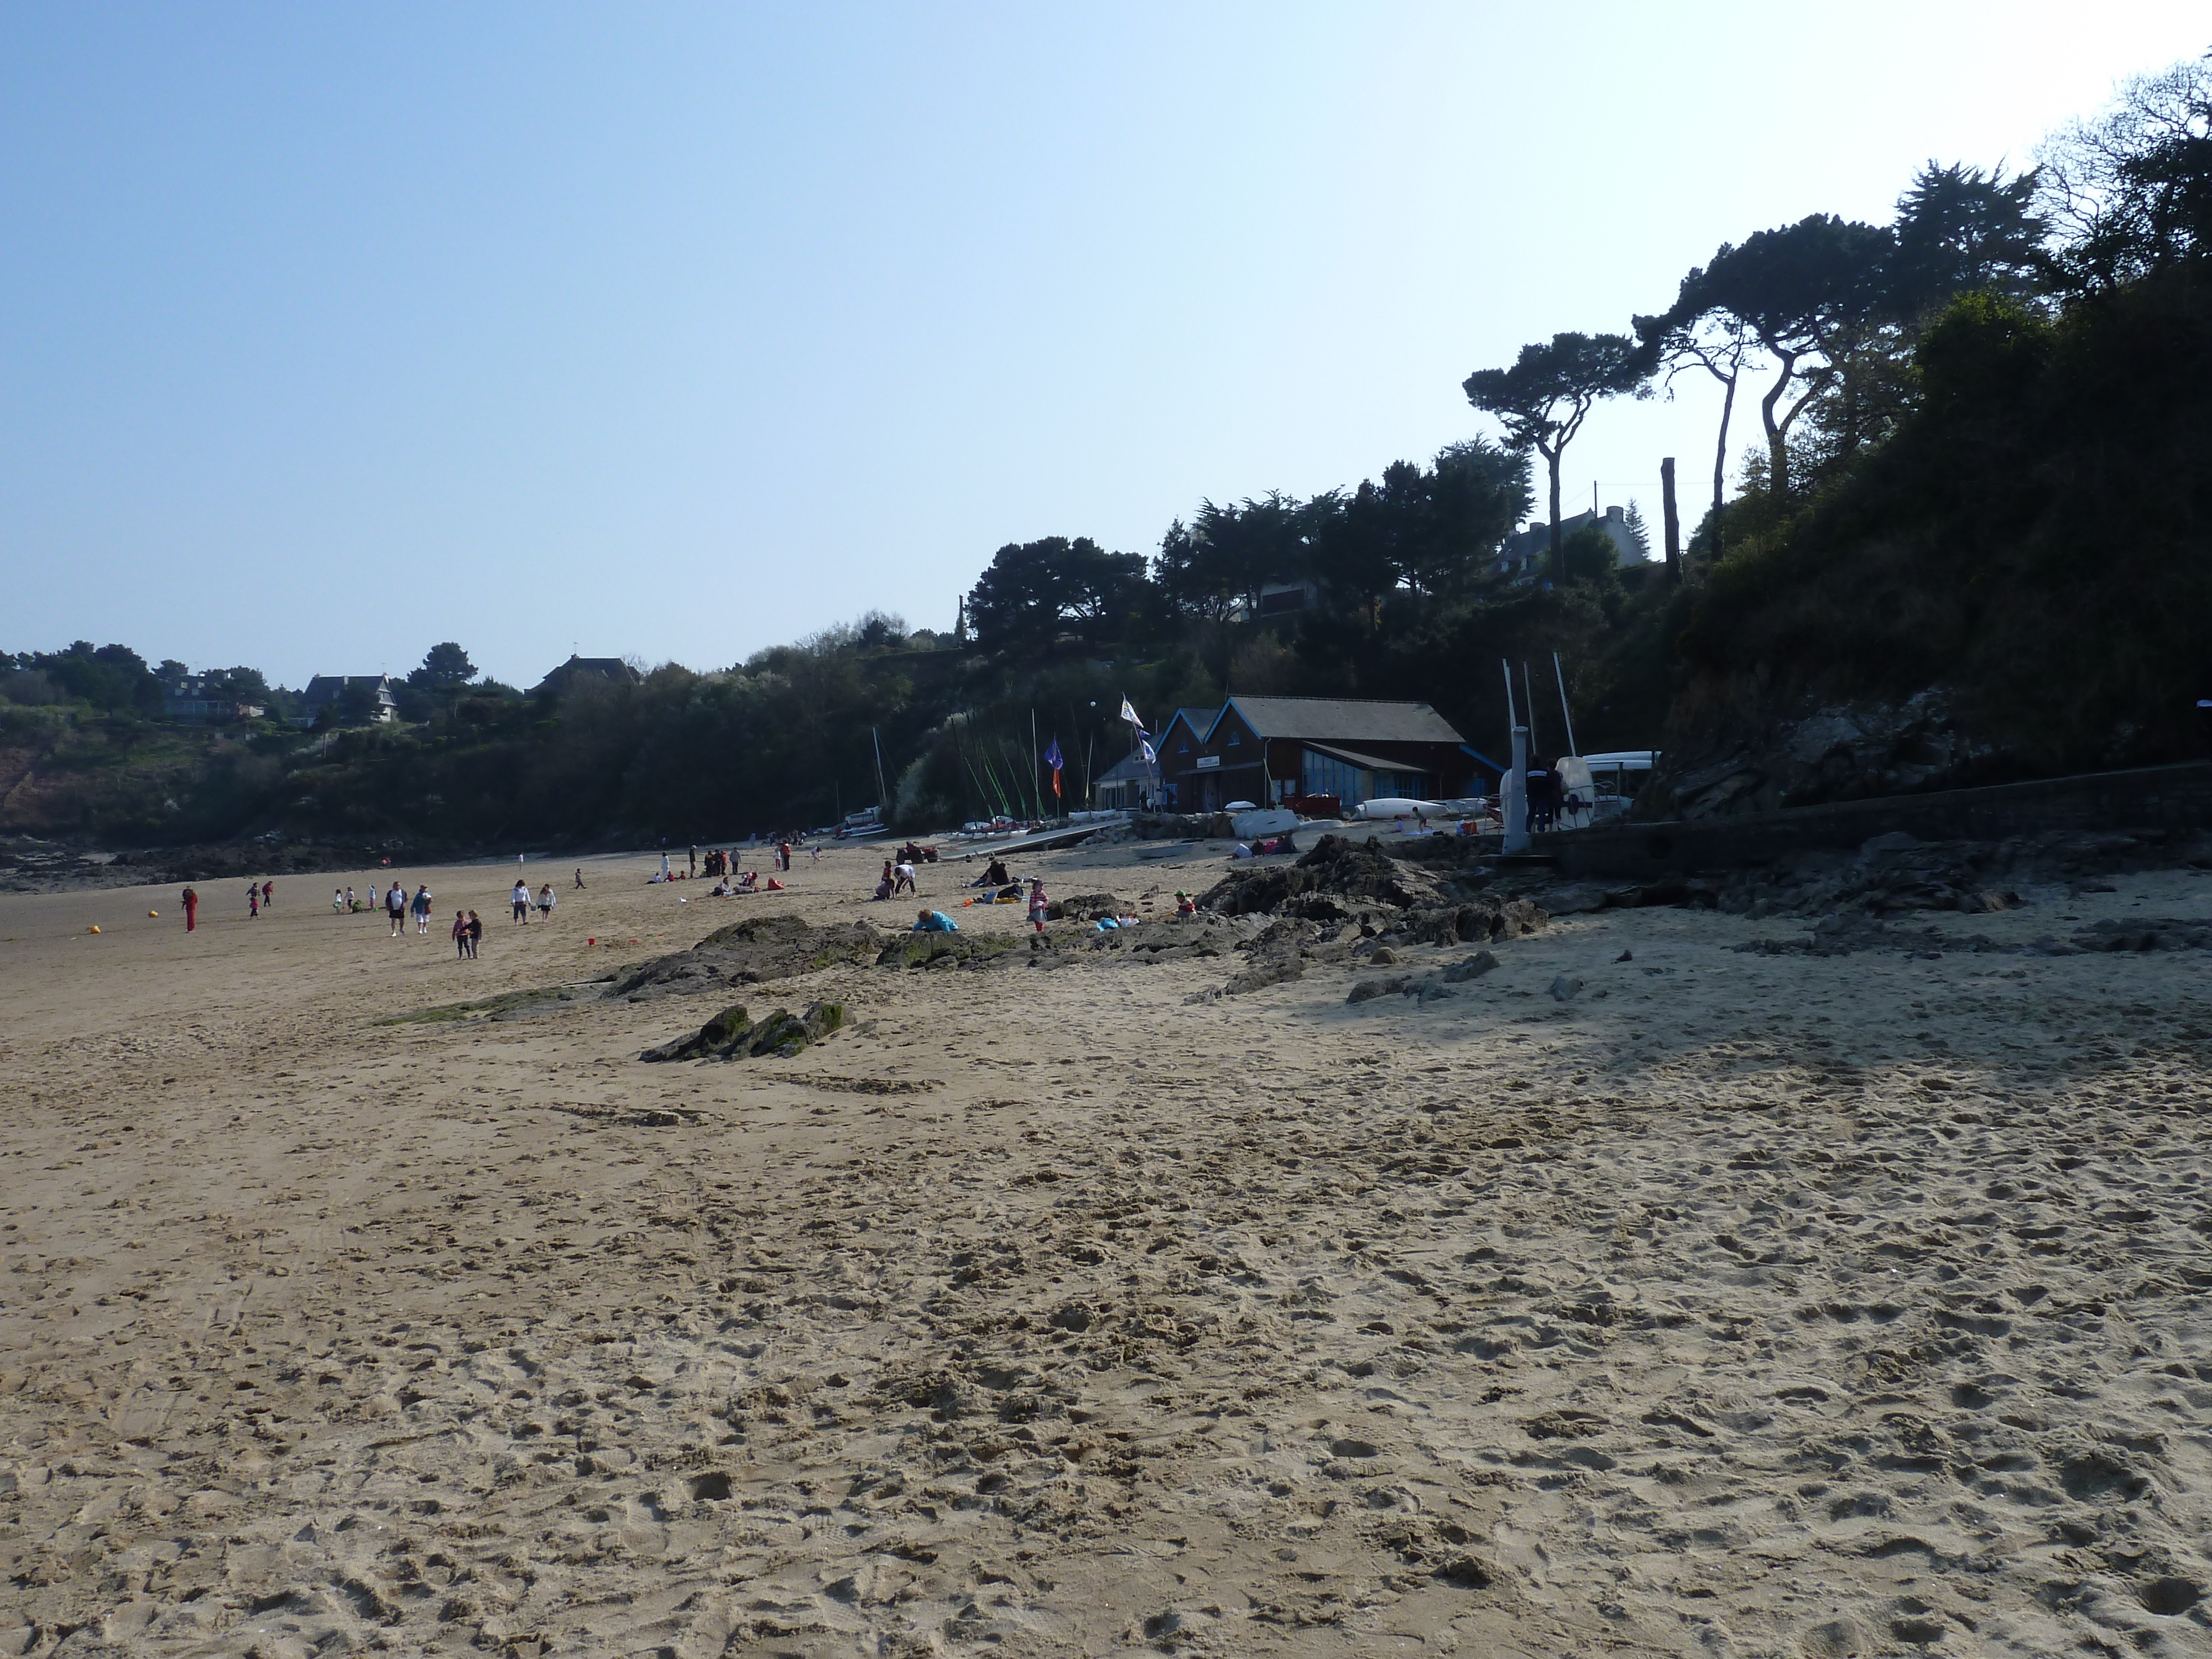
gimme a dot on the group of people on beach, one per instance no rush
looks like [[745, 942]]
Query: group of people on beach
[[936, 921], [523, 903], [898, 878]]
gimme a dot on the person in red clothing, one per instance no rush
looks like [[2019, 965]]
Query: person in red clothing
[[192, 910]]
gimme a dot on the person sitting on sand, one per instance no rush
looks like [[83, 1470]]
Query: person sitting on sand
[[749, 881], [996, 876], [884, 887], [934, 922], [1185, 904]]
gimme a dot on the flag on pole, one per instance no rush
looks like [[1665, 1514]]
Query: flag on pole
[[1052, 758], [1130, 716], [1150, 759]]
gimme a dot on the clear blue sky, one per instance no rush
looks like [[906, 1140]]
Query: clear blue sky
[[329, 333]]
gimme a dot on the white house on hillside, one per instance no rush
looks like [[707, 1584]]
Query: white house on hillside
[[1526, 554]]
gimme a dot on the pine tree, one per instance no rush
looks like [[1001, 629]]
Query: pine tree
[[1636, 531]]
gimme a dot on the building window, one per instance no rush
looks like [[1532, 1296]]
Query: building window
[[1325, 774]]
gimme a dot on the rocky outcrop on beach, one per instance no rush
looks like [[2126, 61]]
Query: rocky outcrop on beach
[[750, 952], [1351, 902], [1325, 883], [735, 1035]]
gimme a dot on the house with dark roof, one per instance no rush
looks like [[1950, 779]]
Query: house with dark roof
[[1270, 750], [612, 669], [1526, 554], [325, 689], [1126, 784]]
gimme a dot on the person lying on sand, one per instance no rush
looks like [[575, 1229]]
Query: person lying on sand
[[934, 922]]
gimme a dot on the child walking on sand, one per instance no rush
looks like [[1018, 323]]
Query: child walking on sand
[[460, 935], [475, 933], [1037, 902]]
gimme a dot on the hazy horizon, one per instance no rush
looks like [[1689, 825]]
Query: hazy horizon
[[677, 334]]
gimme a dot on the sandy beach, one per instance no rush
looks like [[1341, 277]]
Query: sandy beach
[[1738, 1304]]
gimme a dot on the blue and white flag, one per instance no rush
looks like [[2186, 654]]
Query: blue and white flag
[[1130, 716]]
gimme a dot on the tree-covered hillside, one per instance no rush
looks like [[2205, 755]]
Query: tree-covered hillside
[[1975, 490]]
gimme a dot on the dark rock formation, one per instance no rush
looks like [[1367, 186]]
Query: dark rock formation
[[749, 953], [732, 1035]]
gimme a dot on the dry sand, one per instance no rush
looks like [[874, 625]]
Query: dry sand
[[1742, 1305]]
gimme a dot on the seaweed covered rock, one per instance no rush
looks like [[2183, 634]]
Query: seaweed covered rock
[[732, 1035], [1316, 886], [1088, 906], [947, 950], [750, 952], [725, 1028], [786, 1034]]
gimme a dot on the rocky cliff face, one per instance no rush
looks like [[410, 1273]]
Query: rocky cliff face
[[1846, 752]]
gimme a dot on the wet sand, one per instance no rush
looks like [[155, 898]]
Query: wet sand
[[1741, 1305]]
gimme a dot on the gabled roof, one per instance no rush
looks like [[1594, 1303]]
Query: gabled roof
[[1199, 721], [1340, 720], [605, 668], [1131, 766], [325, 687]]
